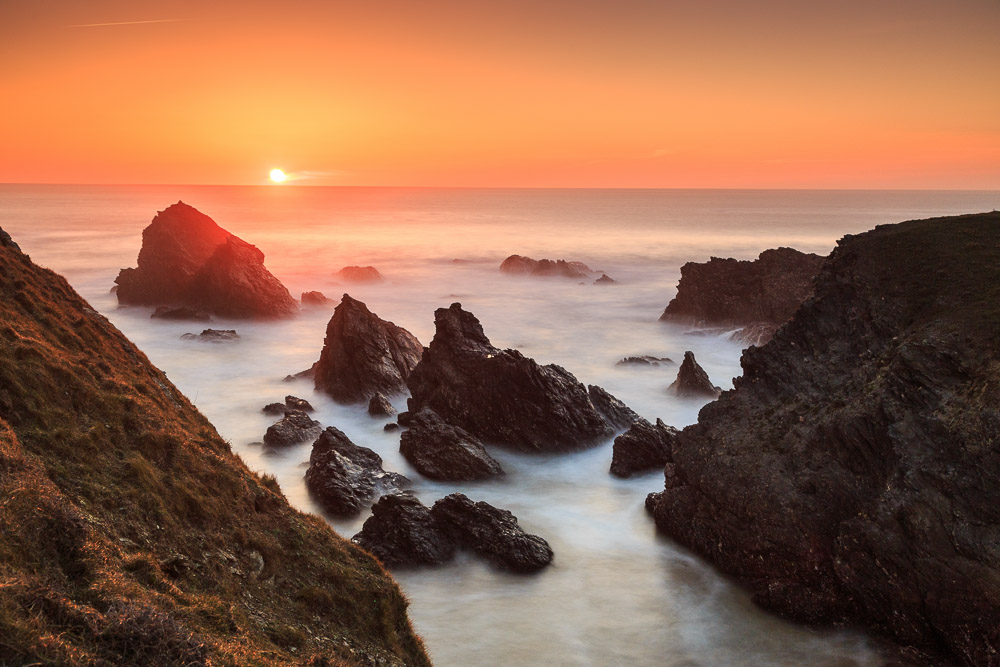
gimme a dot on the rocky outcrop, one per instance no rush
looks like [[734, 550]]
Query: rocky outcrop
[[605, 279], [645, 360], [501, 396], [295, 427], [526, 266], [359, 274], [274, 409], [317, 299], [618, 415], [214, 336], [343, 477], [853, 476], [402, 531], [180, 313], [188, 260], [735, 293], [444, 452], [291, 403], [379, 406], [692, 380], [364, 355], [642, 448]]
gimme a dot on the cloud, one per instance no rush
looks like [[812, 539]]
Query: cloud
[[97, 25]]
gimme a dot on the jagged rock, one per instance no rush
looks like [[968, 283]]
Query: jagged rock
[[642, 448], [732, 293], [344, 477], [852, 476], [7, 242], [518, 265], [501, 396], [492, 533], [692, 380], [444, 452], [757, 333], [402, 531], [645, 360], [308, 373], [295, 427], [274, 409], [605, 279], [315, 299], [380, 406], [364, 355], [186, 259], [181, 313], [359, 274], [214, 336], [296, 403], [617, 414]]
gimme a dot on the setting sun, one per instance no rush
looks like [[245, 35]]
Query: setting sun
[[278, 176]]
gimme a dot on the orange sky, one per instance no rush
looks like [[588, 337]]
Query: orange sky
[[561, 93]]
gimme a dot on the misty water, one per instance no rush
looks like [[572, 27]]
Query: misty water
[[616, 593]]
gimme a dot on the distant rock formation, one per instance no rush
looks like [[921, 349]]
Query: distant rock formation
[[359, 274], [315, 299], [364, 355], [642, 448], [645, 360], [214, 336], [295, 427], [692, 380], [180, 313], [853, 475], [763, 293], [605, 279], [188, 260], [526, 266], [503, 397], [440, 451]]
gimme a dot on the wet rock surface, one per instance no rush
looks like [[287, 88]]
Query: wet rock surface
[[526, 266], [692, 380], [402, 531], [379, 406], [642, 448], [295, 427], [443, 452]]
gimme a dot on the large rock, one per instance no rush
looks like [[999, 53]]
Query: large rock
[[440, 451], [364, 355], [295, 427], [315, 299], [359, 274], [402, 531], [736, 293], [692, 380], [501, 396], [853, 476], [213, 336], [186, 259], [526, 266], [642, 448], [343, 477]]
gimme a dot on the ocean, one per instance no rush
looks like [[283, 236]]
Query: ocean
[[617, 592]]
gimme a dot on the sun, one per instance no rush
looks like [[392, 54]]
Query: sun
[[278, 176]]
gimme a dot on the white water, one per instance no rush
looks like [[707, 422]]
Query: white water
[[617, 592]]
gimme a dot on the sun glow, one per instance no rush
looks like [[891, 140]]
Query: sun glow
[[278, 176]]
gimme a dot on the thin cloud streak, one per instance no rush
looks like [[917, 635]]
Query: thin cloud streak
[[97, 25]]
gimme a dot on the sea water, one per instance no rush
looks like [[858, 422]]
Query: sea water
[[617, 593]]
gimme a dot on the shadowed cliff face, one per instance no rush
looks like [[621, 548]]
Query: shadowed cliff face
[[130, 534], [853, 475]]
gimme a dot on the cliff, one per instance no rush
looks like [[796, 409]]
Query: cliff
[[131, 534], [853, 475]]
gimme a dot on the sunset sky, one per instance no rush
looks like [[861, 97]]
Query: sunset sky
[[560, 93]]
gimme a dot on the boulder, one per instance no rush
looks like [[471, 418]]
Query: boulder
[[380, 406], [295, 427], [526, 266], [391, 426], [296, 403], [444, 452], [344, 477], [359, 274], [315, 299], [503, 397], [605, 279], [274, 409], [364, 355], [692, 380], [402, 531], [186, 259], [214, 336], [642, 448], [180, 313], [618, 415], [645, 360]]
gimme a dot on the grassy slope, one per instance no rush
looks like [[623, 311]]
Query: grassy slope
[[131, 534]]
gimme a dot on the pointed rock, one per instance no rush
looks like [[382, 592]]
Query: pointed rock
[[380, 406], [315, 299], [444, 452], [295, 427], [692, 380], [642, 448]]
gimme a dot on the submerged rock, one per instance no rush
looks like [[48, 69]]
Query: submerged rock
[[642, 448], [180, 313], [315, 299], [402, 531], [344, 477], [364, 355], [444, 452], [295, 427], [379, 406], [605, 279], [692, 380], [214, 336], [645, 360], [503, 397], [359, 274], [518, 265]]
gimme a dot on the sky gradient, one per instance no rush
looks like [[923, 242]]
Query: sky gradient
[[559, 93]]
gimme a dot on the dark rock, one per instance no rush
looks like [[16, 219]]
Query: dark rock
[[645, 360], [492, 533], [308, 373], [642, 448], [852, 476], [391, 426], [186, 259], [295, 427], [692, 380], [518, 265], [181, 313], [359, 274], [501, 396], [296, 403], [214, 336], [364, 355], [757, 333], [274, 409], [401, 531], [380, 406], [444, 452], [7, 242], [605, 279], [617, 414], [315, 299], [344, 477], [403, 418]]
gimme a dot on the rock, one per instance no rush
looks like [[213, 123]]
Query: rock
[[364, 355], [617, 414], [214, 336], [7, 242], [492, 533], [643, 447], [181, 313], [296, 403], [518, 265], [852, 476], [501, 396], [344, 477], [692, 380], [315, 299], [402, 531], [391, 426], [359, 274], [605, 279], [444, 452], [186, 259], [757, 333], [274, 409], [295, 427], [308, 373], [380, 406], [645, 360], [732, 293]]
